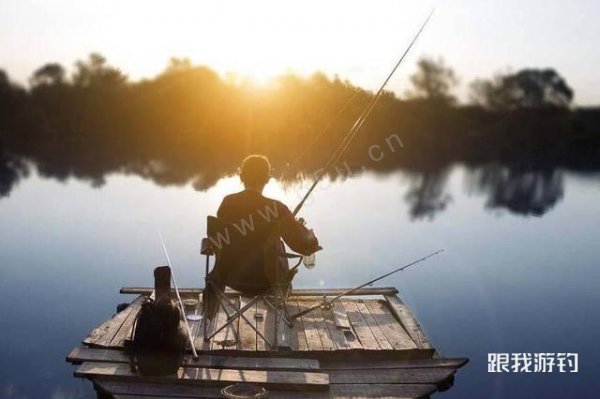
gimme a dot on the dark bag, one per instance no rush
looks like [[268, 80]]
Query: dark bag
[[158, 341]]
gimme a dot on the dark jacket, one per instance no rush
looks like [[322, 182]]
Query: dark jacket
[[249, 207]]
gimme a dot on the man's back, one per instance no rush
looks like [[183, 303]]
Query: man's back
[[249, 207]]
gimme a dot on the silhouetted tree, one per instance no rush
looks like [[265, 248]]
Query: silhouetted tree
[[49, 74], [95, 72], [3, 79], [433, 81], [528, 88], [189, 125], [178, 65]]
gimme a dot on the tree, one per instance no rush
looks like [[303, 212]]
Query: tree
[[176, 65], [4, 79], [49, 74], [528, 88], [433, 81], [95, 72]]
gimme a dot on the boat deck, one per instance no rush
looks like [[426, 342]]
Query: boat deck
[[368, 345]]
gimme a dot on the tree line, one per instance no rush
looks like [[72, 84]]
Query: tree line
[[190, 124]]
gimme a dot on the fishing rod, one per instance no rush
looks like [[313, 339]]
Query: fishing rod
[[326, 304], [187, 326], [343, 146], [325, 130]]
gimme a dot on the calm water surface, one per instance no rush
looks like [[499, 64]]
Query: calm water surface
[[506, 283]]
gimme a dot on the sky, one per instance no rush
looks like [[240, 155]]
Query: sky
[[358, 40]]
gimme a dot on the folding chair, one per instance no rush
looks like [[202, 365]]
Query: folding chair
[[251, 261]]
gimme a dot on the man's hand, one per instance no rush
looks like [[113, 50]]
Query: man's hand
[[313, 238]]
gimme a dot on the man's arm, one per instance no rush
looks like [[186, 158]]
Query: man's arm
[[296, 236]]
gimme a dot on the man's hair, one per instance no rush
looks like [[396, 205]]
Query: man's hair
[[255, 170]]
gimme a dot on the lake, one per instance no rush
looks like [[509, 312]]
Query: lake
[[519, 272]]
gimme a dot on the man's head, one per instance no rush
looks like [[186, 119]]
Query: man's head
[[255, 172]]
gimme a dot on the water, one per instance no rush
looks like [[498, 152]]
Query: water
[[509, 281]]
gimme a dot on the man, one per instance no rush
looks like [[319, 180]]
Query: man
[[250, 205], [247, 209]]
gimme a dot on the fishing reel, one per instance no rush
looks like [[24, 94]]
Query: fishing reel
[[325, 304]]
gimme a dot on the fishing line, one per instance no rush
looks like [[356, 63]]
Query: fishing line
[[326, 304]]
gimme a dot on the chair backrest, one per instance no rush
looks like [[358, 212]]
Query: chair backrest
[[247, 256]]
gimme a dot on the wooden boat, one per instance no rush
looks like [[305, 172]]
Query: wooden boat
[[368, 345]]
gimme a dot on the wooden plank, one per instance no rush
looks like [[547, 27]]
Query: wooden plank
[[373, 326], [270, 322], [393, 330], [320, 292], [247, 334], [233, 331], [337, 334], [343, 326], [340, 316], [368, 364], [252, 363], [387, 391], [198, 333], [310, 327], [218, 321], [208, 376], [124, 389], [196, 311], [408, 321], [226, 338], [359, 326], [298, 292], [145, 397], [266, 326], [81, 355], [323, 330], [154, 391], [103, 334], [197, 327], [124, 332], [391, 376], [297, 335], [283, 332]]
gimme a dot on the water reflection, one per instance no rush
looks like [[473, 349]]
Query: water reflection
[[427, 193], [523, 191], [12, 170], [520, 190]]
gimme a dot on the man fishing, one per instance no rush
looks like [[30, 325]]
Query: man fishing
[[249, 206], [248, 259]]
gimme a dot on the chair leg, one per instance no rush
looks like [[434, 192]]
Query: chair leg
[[237, 314], [207, 325], [232, 318], [240, 313], [284, 314]]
